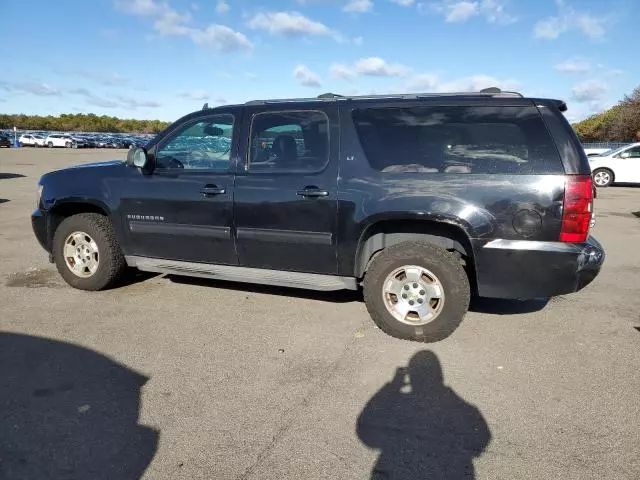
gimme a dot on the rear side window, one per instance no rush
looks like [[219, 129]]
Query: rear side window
[[289, 142], [507, 140]]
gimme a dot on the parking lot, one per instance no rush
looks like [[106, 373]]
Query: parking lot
[[170, 377]]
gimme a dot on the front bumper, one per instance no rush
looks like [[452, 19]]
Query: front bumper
[[40, 227], [520, 269]]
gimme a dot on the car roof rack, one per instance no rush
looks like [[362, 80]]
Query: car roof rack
[[486, 92]]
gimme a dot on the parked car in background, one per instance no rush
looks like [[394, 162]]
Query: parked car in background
[[621, 165], [31, 140], [61, 140], [5, 141]]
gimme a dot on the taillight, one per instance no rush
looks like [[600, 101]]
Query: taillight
[[577, 209]]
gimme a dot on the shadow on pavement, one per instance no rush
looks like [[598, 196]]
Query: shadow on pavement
[[7, 176], [69, 413], [4, 200], [498, 306], [422, 428], [338, 296]]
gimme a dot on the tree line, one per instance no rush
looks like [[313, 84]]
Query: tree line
[[620, 123], [81, 122]]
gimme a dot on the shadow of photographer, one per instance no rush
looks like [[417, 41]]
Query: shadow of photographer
[[422, 428], [69, 413]]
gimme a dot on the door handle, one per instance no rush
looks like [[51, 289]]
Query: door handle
[[210, 190], [312, 192]]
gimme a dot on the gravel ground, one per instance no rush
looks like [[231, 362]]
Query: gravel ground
[[176, 378]]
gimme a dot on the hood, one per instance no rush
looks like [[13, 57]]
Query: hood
[[109, 163]]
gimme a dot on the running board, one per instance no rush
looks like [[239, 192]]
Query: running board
[[308, 281]]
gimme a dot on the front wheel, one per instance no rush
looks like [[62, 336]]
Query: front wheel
[[602, 177], [87, 253], [416, 291], [50, 144]]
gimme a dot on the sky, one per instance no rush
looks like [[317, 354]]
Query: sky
[[161, 59]]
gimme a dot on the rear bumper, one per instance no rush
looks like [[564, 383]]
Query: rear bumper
[[531, 269]]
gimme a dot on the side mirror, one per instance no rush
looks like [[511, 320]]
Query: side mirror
[[625, 155], [137, 157]]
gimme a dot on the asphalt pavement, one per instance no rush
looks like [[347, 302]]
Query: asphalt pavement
[[176, 378]]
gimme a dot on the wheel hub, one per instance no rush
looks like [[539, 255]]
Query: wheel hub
[[413, 295], [81, 254]]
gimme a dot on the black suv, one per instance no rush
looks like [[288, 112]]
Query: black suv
[[423, 200]]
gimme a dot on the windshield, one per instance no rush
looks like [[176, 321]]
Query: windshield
[[611, 152]]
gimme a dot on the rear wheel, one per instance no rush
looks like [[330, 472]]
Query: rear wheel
[[87, 253], [416, 291], [603, 177], [68, 144], [50, 144]]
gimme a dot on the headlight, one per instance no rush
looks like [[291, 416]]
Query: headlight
[[38, 195]]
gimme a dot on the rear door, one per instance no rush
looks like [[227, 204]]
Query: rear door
[[184, 209], [286, 190]]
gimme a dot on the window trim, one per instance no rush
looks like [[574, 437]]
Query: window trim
[[185, 126], [247, 159]]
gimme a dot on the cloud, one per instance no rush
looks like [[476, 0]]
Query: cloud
[[424, 82], [429, 82], [142, 7], [168, 22], [339, 70], [289, 24], [306, 77], [568, 19], [589, 91], [475, 83], [370, 67], [404, 3], [459, 11], [221, 38], [35, 88], [112, 79], [112, 102], [195, 94], [222, 7], [573, 66], [358, 6]]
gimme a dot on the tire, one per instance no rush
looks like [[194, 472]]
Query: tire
[[602, 177], [68, 144], [110, 261], [450, 279], [50, 144]]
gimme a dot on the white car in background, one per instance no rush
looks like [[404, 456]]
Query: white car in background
[[621, 165], [62, 140], [31, 140]]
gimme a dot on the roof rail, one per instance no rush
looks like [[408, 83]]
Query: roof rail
[[487, 92]]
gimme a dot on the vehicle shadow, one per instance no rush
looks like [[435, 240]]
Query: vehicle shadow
[[69, 412], [7, 176], [338, 296], [422, 428], [499, 306], [3, 200], [478, 304]]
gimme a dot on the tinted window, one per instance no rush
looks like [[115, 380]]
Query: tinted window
[[204, 145], [634, 152], [457, 140], [289, 142]]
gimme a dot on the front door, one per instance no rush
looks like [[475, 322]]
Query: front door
[[286, 190], [183, 210]]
